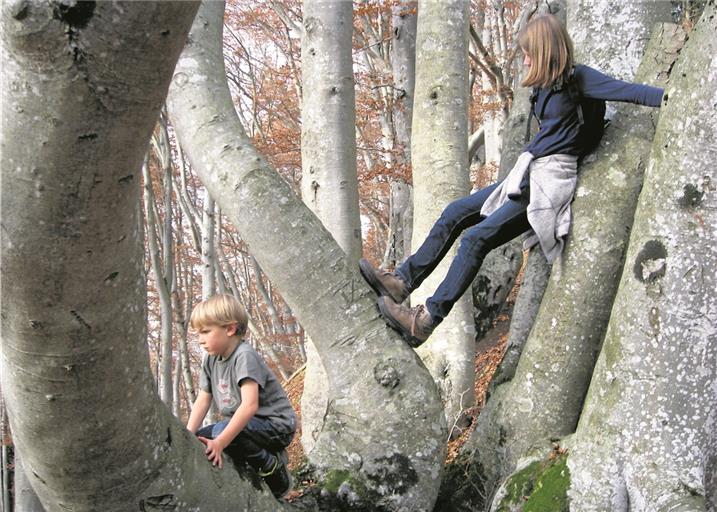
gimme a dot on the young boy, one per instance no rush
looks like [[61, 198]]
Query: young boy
[[259, 421]]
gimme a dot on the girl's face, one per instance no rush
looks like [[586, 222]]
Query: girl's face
[[526, 59]]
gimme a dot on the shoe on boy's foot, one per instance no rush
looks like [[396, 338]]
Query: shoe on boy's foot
[[383, 282], [278, 477], [414, 324]]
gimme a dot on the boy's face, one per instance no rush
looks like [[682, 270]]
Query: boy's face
[[217, 340]]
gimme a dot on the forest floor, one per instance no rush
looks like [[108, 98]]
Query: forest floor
[[489, 353]]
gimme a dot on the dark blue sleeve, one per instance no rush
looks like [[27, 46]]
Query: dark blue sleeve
[[594, 84]]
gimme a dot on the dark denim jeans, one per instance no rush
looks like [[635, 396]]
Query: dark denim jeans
[[482, 235], [256, 444]]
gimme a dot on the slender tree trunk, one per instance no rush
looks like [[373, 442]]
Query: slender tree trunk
[[404, 18], [372, 374], [26, 499], [490, 125], [164, 376], [439, 152], [544, 398], [181, 315], [6, 477], [329, 185], [83, 86], [209, 280], [642, 438]]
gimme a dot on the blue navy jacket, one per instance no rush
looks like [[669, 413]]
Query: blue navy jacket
[[560, 128]]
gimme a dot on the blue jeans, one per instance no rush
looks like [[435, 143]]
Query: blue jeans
[[482, 235], [256, 444]]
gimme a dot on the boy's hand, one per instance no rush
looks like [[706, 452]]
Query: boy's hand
[[214, 450]]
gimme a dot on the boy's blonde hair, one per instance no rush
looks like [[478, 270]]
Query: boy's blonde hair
[[222, 310], [546, 41]]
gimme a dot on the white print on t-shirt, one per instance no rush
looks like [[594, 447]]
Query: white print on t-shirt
[[226, 400]]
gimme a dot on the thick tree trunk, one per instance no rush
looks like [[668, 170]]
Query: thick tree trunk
[[642, 442], [439, 152], [83, 86], [329, 185], [544, 398], [328, 117], [395, 457]]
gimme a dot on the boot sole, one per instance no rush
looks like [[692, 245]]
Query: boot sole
[[366, 270], [393, 324]]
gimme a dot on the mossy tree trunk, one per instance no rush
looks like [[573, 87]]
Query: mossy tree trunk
[[643, 440]]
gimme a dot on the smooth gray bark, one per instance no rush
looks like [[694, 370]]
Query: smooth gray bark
[[439, 152], [82, 88], [154, 236], [329, 185], [26, 499], [328, 114], [209, 286], [384, 424], [5, 476], [404, 17], [642, 440]]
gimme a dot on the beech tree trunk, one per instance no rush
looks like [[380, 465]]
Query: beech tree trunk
[[26, 499], [329, 185], [328, 135], [439, 152], [209, 278], [642, 442], [404, 17], [83, 86], [384, 427]]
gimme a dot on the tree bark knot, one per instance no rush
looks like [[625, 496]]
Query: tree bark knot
[[386, 375]]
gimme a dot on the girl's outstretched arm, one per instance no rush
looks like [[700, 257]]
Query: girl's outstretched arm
[[594, 84]]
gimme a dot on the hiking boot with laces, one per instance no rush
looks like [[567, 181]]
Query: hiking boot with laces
[[278, 477], [414, 324], [383, 282]]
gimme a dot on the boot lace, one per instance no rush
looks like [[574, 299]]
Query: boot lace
[[414, 317]]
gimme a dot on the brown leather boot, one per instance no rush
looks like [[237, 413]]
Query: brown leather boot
[[384, 283], [414, 324]]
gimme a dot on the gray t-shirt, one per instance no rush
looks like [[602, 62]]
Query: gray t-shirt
[[221, 378]]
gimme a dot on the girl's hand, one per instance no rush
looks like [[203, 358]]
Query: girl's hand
[[214, 450]]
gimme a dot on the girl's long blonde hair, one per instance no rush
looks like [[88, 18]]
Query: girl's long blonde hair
[[546, 41]]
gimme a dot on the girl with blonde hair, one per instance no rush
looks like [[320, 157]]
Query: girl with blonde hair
[[568, 101]]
